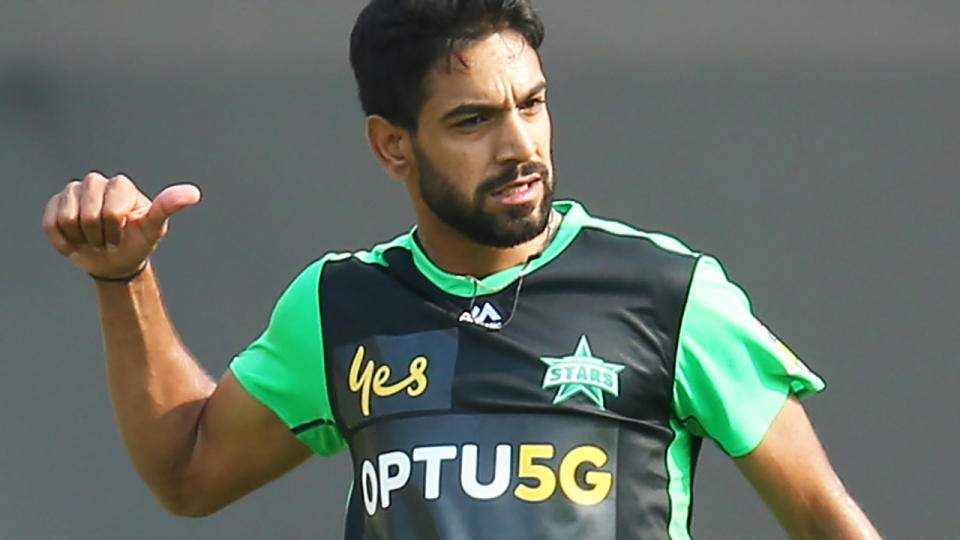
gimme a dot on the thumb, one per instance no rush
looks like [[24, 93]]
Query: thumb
[[170, 201]]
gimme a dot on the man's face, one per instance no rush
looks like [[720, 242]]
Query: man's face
[[482, 144]]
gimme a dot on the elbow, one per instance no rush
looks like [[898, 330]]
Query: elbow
[[188, 511], [187, 504], [836, 515]]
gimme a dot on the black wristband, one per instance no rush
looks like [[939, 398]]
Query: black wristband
[[124, 279]]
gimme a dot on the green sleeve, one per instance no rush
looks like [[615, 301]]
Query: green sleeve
[[284, 368], [732, 375]]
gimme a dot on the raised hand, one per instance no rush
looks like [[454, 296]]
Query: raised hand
[[108, 227]]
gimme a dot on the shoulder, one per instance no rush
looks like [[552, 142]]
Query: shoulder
[[374, 255], [614, 254], [338, 273], [630, 234], [636, 252]]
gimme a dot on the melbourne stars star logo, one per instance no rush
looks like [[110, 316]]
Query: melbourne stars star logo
[[582, 372]]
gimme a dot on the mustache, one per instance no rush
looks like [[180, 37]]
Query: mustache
[[510, 174]]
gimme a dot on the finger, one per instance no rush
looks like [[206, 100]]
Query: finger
[[50, 228], [119, 199], [91, 205], [169, 202], [68, 214]]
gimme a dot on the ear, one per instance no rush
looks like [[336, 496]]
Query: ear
[[392, 146]]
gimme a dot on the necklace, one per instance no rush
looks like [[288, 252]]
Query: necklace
[[553, 224]]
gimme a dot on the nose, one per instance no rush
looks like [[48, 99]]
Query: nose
[[516, 142]]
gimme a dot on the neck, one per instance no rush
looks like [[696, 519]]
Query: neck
[[456, 254]]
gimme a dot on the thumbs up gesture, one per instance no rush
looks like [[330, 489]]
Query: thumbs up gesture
[[108, 227]]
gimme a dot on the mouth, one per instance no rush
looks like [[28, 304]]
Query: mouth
[[518, 191]]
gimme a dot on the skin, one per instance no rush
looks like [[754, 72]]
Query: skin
[[486, 112], [197, 444], [792, 474], [201, 444]]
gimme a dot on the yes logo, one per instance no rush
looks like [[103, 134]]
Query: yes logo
[[366, 377]]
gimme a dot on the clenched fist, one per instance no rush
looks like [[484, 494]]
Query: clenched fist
[[108, 227]]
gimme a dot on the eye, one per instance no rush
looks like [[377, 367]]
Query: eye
[[472, 121], [533, 104]]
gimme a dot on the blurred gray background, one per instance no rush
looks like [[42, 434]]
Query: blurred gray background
[[812, 146]]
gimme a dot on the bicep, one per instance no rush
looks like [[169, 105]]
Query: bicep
[[241, 445], [789, 464], [790, 471]]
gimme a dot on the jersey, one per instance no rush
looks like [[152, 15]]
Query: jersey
[[563, 398]]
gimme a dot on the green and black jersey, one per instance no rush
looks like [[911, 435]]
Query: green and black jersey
[[564, 398]]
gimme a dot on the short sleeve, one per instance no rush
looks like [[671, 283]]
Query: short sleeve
[[732, 375], [284, 368]]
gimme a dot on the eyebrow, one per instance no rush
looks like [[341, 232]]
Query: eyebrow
[[479, 108]]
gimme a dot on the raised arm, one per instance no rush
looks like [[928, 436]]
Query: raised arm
[[791, 472], [197, 444]]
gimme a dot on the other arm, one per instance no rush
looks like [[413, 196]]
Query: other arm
[[737, 384], [197, 444], [791, 473]]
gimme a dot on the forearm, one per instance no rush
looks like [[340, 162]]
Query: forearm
[[196, 443], [158, 389]]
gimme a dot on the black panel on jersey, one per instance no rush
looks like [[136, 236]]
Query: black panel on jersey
[[622, 295]]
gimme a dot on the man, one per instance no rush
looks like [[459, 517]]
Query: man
[[529, 371]]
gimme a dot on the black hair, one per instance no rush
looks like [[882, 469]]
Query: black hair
[[395, 44]]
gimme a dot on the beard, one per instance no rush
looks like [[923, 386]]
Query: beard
[[467, 216]]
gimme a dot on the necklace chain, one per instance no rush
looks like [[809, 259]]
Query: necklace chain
[[553, 224]]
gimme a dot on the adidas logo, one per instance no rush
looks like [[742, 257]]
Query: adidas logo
[[486, 316]]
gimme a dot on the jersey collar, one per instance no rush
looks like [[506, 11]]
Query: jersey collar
[[574, 217]]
